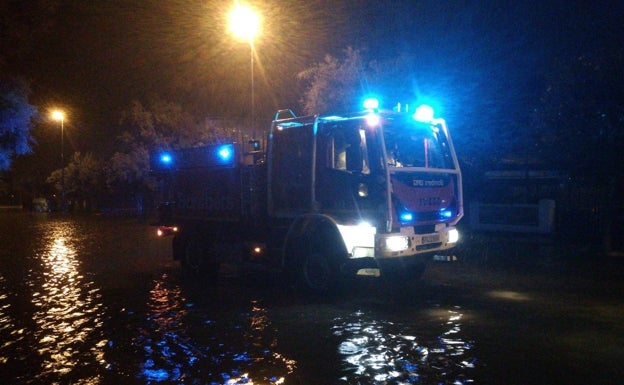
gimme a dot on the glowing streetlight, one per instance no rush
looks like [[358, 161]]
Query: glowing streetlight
[[245, 25], [59, 115]]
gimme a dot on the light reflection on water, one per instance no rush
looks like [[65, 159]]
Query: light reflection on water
[[183, 342], [58, 326], [7, 323], [68, 311], [376, 351]]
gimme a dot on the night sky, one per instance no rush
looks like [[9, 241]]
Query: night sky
[[476, 58]]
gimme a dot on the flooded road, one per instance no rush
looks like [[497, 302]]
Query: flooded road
[[93, 300]]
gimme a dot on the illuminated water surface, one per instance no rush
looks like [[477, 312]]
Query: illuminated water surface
[[94, 301], [377, 351], [52, 321]]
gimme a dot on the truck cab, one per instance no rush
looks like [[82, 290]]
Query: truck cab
[[388, 182]]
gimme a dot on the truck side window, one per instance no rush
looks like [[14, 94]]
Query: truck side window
[[346, 150]]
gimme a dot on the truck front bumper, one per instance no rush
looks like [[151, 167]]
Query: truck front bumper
[[406, 243]]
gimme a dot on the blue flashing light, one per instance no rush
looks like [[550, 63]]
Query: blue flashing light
[[372, 119], [371, 103], [446, 214], [406, 217], [166, 158], [225, 153], [424, 113]]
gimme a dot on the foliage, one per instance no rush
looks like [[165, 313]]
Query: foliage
[[159, 125], [339, 84], [125, 175], [83, 179], [332, 85], [16, 117]]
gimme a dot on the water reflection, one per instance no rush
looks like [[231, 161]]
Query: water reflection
[[7, 323], [167, 350], [384, 352], [68, 311], [57, 326], [182, 341]]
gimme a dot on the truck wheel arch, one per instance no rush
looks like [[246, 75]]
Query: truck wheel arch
[[314, 254]]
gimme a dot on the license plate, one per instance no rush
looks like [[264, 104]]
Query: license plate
[[430, 238]]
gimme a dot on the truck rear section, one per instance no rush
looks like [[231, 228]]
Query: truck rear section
[[368, 193], [211, 201]]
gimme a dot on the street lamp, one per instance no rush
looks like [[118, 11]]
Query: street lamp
[[245, 25], [59, 115]]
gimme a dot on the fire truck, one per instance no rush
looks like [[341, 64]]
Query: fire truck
[[372, 193]]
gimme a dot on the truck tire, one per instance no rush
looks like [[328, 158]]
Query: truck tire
[[315, 274], [314, 255], [197, 261], [317, 270]]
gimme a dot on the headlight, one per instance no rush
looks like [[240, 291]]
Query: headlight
[[453, 236], [397, 243], [359, 239]]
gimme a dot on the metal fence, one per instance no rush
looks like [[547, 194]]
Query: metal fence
[[588, 220]]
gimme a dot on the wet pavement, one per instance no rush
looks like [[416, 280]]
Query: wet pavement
[[98, 300]]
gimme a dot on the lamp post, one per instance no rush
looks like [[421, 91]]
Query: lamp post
[[59, 115], [245, 25]]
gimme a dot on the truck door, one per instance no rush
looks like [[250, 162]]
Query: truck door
[[347, 186], [290, 170]]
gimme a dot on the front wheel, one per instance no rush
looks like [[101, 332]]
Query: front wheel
[[315, 274]]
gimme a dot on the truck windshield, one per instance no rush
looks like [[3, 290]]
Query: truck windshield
[[416, 145]]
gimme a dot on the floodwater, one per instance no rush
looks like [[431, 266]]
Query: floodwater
[[94, 300]]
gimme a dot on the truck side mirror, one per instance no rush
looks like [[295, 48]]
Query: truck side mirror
[[254, 145]]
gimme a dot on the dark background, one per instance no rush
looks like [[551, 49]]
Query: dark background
[[483, 61]]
